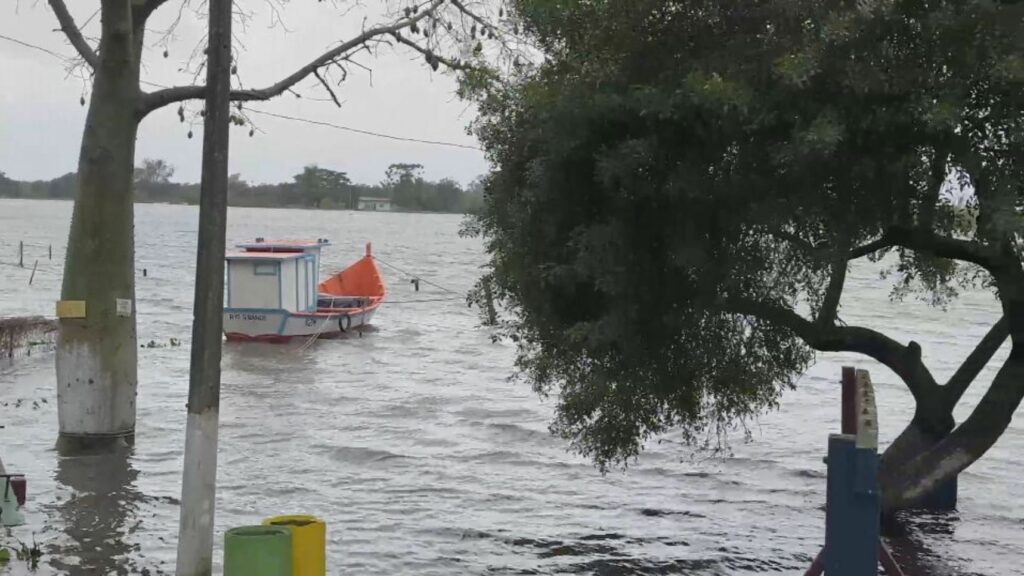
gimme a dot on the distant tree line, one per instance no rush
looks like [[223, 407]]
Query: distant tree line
[[314, 187]]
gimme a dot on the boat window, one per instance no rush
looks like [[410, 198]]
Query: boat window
[[265, 268]]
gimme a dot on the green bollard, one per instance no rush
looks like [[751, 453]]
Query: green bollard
[[258, 551]]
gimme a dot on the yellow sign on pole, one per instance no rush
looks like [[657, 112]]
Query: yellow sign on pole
[[71, 309]]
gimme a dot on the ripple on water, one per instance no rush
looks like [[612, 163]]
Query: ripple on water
[[424, 459]]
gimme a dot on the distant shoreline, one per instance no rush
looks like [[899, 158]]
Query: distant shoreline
[[277, 207]]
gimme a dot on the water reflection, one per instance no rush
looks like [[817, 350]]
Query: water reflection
[[98, 516], [913, 537]]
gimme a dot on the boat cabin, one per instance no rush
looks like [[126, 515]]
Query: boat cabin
[[280, 275]]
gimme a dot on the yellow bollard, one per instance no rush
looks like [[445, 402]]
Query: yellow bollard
[[309, 543]]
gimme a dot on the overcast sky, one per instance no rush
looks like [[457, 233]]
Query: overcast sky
[[41, 119]]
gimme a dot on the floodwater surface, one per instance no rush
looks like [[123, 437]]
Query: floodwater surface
[[420, 454]]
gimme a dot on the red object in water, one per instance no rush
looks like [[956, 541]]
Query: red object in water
[[20, 487], [849, 420]]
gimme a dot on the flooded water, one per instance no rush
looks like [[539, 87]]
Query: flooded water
[[420, 455]]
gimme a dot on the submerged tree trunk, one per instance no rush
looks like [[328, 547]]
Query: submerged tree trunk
[[96, 355], [932, 450], [911, 444]]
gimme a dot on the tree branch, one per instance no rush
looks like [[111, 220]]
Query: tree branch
[[142, 12], [870, 248], [834, 292], [928, 242], [944, 246], [161, 98], [904, 361], [73, 33], [432, 55], [975, 362], [936, 178], [327, 87], [796, 240], [967, 443], [462, 8]]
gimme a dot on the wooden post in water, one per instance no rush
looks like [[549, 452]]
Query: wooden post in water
[[853, 545], [199, 478], [849, 405], [21, 253]]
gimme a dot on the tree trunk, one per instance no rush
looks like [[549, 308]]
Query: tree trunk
[[907, 447], [96, 360], [909, 479]]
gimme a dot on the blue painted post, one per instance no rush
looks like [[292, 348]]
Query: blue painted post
[[851, 519]]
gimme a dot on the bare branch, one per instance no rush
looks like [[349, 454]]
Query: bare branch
[[327, 87], [73, 33], [142, 12], [462, 8], [432, 57], [160, 98], [150, 6], [975, 362]]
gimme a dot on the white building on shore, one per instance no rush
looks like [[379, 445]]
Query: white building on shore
[[374, 204]]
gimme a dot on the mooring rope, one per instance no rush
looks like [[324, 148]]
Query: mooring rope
[[309, 343], [416, 276]]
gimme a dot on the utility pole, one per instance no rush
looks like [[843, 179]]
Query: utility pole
[[199, 478]]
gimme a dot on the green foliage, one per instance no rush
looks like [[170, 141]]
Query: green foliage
[[405, 185], [314, 187], [153, 172], [676, 173], [318, 185]]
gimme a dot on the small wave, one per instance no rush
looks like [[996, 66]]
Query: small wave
[[362, 455], [653, 512]]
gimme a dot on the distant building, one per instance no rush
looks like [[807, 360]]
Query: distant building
[[377, 204]]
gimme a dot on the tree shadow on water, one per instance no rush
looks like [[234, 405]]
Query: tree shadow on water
[[917, 540], [99, 515]]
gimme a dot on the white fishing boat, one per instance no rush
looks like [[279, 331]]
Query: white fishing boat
[[274, 293]]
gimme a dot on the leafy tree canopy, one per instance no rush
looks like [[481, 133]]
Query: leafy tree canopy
[[679, 186]]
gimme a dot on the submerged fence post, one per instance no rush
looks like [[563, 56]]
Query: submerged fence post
[[21, 253]]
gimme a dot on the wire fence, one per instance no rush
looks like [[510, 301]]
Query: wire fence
[[34, 259]]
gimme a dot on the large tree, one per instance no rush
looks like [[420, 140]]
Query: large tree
[[680, 187], [317, 184], [96, 356]]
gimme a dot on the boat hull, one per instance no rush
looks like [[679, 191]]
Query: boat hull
[[270, 325]]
